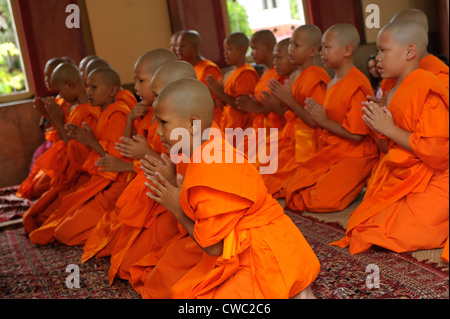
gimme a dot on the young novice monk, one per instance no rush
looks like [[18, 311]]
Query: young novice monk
[[427, 62], [334, 176], [297, 141], [80, 211], [63, 163], [38, 181], [240, 81], [251, 248], [406, 203], [188, 49], [131, 205], [262, 44], [146, 225]]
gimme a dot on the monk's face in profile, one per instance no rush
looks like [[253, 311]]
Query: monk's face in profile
[[259, 51], [391, 56], [47, 79], [185, 49], [168, 120], [65, 90], [281, 61], [332, 53], [299, 49], [143, 84], [99, 94], [232, 53]]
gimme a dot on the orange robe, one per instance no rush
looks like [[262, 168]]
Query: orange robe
[[127, 97], [406, 203], [38, 181], [101, 241], [270, 120], [80, 211], [241, 81], [264, 253], [297, 141], [64, 165], [429, 63], [204, 68], [146, 225], [333, 177]]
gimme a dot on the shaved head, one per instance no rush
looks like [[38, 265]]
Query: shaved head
[[264, 37], [171, 72], [154, 59], [238, 39], [53, 63], [283, 45], [413, 14], [313, 34], [108, 76], [96, 63], [65, 72], [407, 32], [346, 34], [192, 36], [188, 98], [85, 61]]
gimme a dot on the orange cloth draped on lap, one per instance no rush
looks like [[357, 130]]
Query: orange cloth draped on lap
[[332, 178], [37, 181], [64, 165], [406, 203], [101, 241], [127, 97], [154, 275], [296, 142], [270, 120], [241, 81], [202, 69], [264, 253], [146, 225], [80, 210]]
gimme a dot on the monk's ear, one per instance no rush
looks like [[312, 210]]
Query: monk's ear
[[114, 90], [314, 51], [70, 83], [349, 50], [411, 52]]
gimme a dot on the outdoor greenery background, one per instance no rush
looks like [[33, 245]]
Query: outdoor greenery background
[[11, 72]]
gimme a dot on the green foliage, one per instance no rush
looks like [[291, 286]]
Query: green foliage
[[294, 10], [238, 18], [11, 74]]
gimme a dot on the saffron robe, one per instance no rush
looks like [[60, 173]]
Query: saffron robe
[[241, 81], [204, 68], [297, 141], [264, 253], [80, 211], [406, 207], [64, 166], [332, 178], [37, 181], [127, 97]]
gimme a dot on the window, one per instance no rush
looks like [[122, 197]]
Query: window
[[13, 76], [280, 16]]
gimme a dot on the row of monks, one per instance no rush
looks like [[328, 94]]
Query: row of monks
[[216, 230]]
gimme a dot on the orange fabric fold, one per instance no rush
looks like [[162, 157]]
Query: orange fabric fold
[[406, 203], [334, 176], [63, 164], [264, 253], [297, 141], [79, 212], [241, 81]]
